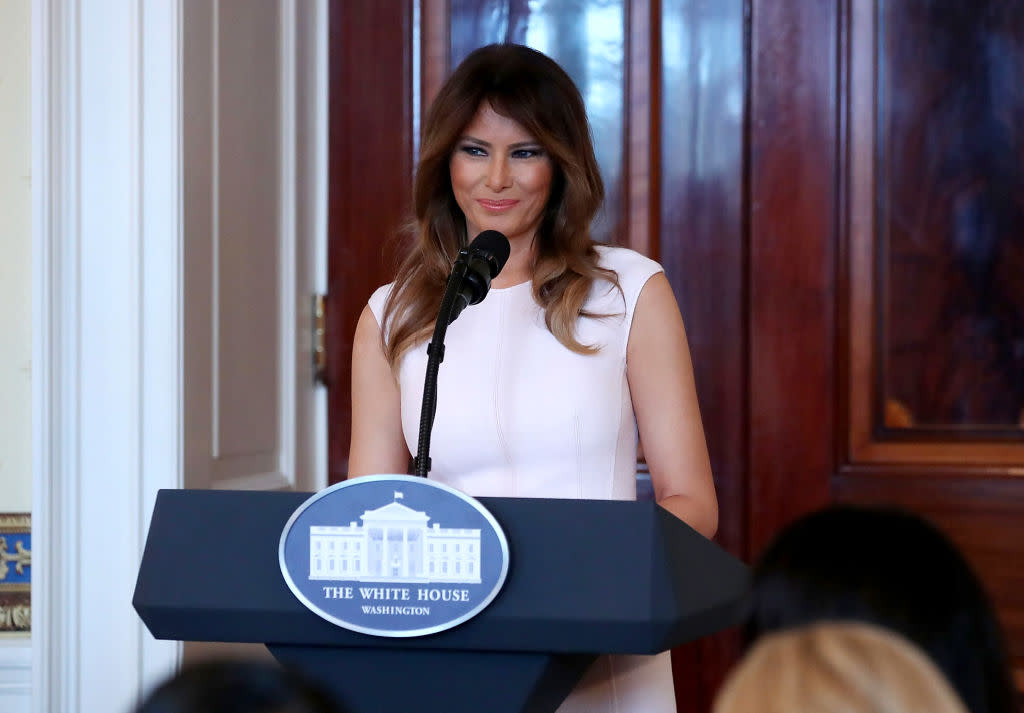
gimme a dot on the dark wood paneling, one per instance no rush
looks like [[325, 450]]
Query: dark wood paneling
[[950, 209], [969, 486], [754, 199], [981, 513], [370, 170], [696, 189], [700, 239], [642, 124], [793, 217]]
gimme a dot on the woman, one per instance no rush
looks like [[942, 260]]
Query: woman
[[891, 569], [575, 349], [836, 668]]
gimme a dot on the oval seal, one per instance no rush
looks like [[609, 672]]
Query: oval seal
[[393, 555]]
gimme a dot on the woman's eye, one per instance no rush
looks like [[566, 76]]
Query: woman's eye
[[527, 153], [473, 150]]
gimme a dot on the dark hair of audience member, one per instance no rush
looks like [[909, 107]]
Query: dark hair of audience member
[[237, 686], [896, 570]]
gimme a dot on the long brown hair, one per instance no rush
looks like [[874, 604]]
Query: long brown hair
[[532, 90]]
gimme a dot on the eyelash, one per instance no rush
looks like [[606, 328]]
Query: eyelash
[[530, 153], [472, 150]]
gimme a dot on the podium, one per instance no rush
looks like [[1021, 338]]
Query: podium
[[587, 577]]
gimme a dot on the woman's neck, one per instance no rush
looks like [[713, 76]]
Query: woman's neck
[[519, 267]]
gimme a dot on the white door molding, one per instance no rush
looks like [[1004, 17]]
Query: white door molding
[[107, 340]]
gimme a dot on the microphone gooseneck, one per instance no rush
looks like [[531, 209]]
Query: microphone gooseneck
[[470, 279]]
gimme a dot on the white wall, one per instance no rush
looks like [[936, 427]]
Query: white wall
[[15, 309], [15, 259]]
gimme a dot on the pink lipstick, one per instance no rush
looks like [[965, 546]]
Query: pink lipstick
[[494, 205]]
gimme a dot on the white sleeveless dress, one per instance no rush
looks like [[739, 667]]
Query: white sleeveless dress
[[519, 415]]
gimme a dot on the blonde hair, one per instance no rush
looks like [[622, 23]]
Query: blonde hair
[[836, 668]]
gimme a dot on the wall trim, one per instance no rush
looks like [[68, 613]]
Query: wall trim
[[288, 421], [310, 86], [15, 674], [54, 360], [108, 324], [106, 337], [303, 239]]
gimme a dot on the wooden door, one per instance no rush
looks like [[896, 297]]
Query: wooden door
[[860, 198], [748, 130]]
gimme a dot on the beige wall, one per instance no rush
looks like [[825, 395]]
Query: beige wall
[[15, 259]]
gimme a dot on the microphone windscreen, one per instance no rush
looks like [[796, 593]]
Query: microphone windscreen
[[494, 244]]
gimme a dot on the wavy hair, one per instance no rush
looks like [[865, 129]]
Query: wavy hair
[[534, 91]]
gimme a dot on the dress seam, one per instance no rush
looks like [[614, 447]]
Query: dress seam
[[623, 388], [498, 359], [579, 455]]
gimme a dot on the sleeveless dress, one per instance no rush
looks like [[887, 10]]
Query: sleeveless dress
[[519, 415]]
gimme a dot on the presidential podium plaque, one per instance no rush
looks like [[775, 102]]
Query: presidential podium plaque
[[586, 577]]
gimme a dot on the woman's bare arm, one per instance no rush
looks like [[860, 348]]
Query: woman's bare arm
[[665, 403], [378, 445]]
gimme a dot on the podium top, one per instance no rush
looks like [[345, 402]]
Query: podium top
[[586, 576]]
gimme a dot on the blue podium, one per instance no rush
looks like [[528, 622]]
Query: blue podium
[[587, 577]]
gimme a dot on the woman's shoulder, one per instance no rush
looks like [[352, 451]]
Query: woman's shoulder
[[378, 298], [632, 268]]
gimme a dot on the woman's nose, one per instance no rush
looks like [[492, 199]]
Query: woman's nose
[[498, 174]]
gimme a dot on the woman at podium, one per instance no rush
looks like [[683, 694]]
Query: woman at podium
[[577, 350]]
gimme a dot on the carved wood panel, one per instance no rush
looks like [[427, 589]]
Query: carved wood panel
[[930, 230], [949, 198], [818, 179]]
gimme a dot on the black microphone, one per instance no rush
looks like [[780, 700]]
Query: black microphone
[[483, 260], [470, 279]]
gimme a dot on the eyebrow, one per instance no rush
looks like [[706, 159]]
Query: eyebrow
[[487, 144]]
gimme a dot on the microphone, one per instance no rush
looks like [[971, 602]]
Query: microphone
[[483, 260], [470, 279]]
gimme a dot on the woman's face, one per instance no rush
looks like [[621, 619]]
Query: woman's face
[[501, 177]]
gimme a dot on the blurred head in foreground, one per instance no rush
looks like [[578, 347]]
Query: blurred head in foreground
[[893, 569], [836, 668], [237, 686]]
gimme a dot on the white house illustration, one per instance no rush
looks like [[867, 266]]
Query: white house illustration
[[394, 544]]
